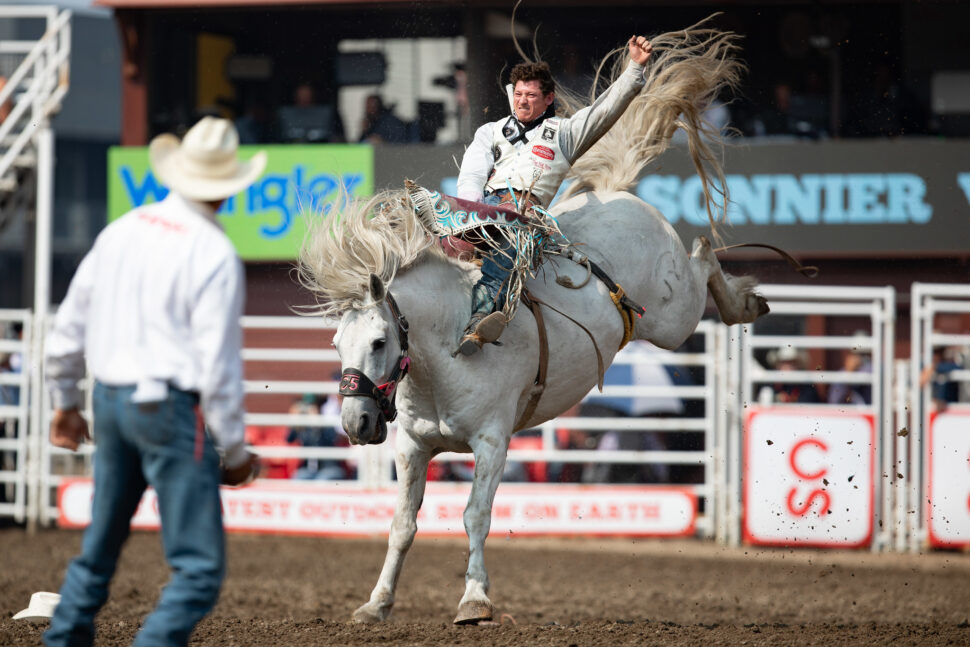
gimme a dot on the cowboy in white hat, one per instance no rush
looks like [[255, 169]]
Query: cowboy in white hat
[[154, 310]]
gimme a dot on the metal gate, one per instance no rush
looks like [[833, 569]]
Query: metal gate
[[867, 317], [541, 446], [15, 361], [930, 302], [288, 359]]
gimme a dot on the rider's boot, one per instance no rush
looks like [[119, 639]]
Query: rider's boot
[[485, 326]]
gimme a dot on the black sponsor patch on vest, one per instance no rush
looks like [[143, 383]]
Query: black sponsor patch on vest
[[548, 134]]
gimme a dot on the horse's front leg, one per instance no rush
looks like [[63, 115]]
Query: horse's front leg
[[490, 452], [412, 473]]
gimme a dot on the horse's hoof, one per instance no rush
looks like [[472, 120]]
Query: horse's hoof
[[763, 308], [471, 613], [369, 615]]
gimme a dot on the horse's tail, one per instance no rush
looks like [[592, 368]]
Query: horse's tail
[[686, 72]]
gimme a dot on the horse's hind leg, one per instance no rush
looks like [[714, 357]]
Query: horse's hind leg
[[735, 296], [489, 464], [412, 470]]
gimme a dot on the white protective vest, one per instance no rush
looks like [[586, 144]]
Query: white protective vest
[[539, 163]]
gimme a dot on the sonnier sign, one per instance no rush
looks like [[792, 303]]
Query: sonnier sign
[[266, 221], [905, 197]]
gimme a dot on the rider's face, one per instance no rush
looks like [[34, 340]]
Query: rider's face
[[529, 101]]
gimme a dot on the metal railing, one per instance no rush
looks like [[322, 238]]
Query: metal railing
[[285, 374], [929, 302], [14, 413], [751, 379], [35, 89], [285, 367]]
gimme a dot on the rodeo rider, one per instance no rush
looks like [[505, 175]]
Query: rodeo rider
[[532, 151]]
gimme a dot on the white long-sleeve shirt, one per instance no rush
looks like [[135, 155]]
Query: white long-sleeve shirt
[[576, 134], [157, 301]]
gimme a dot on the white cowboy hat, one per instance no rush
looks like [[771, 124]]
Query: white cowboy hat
[[41, 606], [204, 166], [786, 354]]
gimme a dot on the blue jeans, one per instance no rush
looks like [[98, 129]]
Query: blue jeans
[[497, 266], [157, 444]]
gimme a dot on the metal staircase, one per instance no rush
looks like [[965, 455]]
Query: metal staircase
[[31, 94], [37, 78]]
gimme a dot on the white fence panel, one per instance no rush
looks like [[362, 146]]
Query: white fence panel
[[758, 383], [728, 359], [375, 464], [930, 303], [15, 361], [289, 358]]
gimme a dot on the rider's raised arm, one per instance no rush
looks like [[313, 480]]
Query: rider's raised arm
[[584, 128], [476, 165]]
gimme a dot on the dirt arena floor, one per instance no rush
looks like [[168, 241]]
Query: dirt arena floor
[[302, 591]]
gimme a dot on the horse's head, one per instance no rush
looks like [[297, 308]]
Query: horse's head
[[372, 344]]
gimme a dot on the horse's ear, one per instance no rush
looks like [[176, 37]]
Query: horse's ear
[[376, 287]]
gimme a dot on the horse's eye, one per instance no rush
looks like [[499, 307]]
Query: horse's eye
[[377, 344]]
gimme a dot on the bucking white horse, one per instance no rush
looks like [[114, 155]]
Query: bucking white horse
[[402, 304]]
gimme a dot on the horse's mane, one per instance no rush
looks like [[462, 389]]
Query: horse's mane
[[342, 248]]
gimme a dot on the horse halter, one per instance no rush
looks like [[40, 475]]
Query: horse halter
[[353, 382]]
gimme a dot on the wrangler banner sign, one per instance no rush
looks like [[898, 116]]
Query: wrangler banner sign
[[265, 221]]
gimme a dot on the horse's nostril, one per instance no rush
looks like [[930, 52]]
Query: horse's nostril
[[362, 427]]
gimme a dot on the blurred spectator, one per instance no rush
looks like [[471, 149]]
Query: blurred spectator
[[532, 471], [307, 121], [11, 363], [776, 119], [856, 360], [303, 96], [316, 436], [10, 366], [457, 470], [799, 114], [569, 438], [7, 105], [9, 394], [272, 436], [646, 372], [255, 125], [433, 119], [886, 108], [811, 106], [943, 390], [788, 359], [718, 117], [462, 104], [380, 125], [573, 78]]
